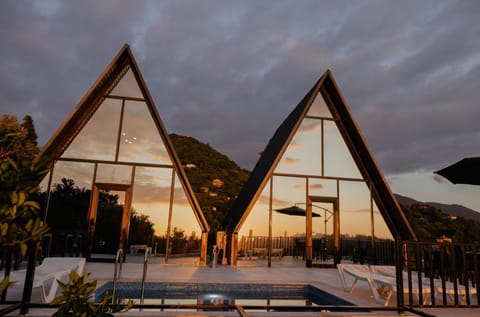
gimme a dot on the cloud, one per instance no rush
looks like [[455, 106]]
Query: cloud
[[316, 186], [439, 179], [229, 73]]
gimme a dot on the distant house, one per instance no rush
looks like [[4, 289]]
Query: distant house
[[217, 183]]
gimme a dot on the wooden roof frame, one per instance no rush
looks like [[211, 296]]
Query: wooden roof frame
[[381, 192], [90, 102]]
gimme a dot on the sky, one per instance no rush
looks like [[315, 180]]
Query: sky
[[229, 72]]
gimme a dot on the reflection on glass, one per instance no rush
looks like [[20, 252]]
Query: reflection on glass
[[98, 138], [322, 187], [68, 206], [257, 222], [127, 87], [355, 209], [319, 108], [80, 173], [323, 248], [303, 155], [108, 223], [185, 235], [43, 186], [288, 192], [322, 226], [338, 160], [113, 173], [381, 229], [140, 140], [151, 198]]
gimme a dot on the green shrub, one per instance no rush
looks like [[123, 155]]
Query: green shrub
[[75, 299]]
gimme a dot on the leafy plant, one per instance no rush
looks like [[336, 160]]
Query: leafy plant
[[75, 299], [20, 223]]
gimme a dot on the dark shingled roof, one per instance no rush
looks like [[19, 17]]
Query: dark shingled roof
[[326, 85]]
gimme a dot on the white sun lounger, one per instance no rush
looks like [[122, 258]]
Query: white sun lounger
[[381, 286], [360, 273], [48, 274], [450, 291], [387, 286], [388, 270]]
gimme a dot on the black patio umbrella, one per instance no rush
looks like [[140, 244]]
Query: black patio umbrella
[[295, 211], [465, 171]]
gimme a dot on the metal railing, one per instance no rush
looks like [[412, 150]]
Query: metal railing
[[117, 272], [447, 274], [144, 276]]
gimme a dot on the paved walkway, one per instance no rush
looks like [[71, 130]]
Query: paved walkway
[[283, 271]]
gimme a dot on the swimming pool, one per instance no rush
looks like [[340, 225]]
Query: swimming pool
[[223, 294]]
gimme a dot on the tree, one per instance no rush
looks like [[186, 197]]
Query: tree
[[67, 212], [141, 229], [430, 223], [31, 133], [20, 224], [22, 139], [203, 165]]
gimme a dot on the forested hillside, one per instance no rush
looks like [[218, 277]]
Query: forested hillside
[[204, 165], [430, 224], [215, 179]]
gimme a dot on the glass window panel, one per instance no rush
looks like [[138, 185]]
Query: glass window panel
[[355, 209], [319, 108], [98, 138], [44, 183], [381, 229], [288, 192], [186, 233], [108, 223], [68, 205], [114, 174], [322, 226], [385, 249], [338, 160], [256, 223], [140, 140], [303, 154], [151, 199], [81, 173], [127, 87], [322, 187]]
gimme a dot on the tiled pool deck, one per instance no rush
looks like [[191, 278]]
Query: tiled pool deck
[[284, 271]]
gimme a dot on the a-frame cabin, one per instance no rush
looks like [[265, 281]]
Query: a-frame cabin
[[317, 162], [114, 151]]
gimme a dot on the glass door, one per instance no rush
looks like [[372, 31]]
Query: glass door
[[323, 232], [108, 221]]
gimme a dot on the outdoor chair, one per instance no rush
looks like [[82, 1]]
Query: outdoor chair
[[359, 272], [47, 275], [450, 291], [382, 286], [386, 286]]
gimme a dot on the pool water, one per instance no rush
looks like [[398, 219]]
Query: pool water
[[222, 294]]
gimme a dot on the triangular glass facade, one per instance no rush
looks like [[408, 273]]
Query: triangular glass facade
[[316, 170], [117, 166]]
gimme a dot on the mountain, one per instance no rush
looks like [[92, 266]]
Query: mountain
[[452, 210], [215, 179]]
